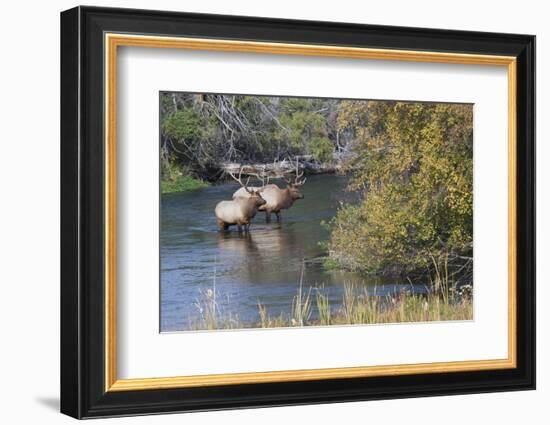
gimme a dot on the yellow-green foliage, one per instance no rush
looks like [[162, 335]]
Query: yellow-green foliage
[[412, 163]]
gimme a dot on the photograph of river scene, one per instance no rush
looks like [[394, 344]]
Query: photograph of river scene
[[283, 212]]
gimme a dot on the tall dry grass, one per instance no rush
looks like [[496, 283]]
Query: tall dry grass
[[443, 302], [358, 307]]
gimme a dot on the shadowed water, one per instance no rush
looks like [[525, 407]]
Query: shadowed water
[[262, 266]]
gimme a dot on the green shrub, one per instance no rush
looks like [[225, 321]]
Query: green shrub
[[412, 164], [179, 179]]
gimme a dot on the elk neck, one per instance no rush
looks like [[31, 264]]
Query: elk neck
[[250, 207]]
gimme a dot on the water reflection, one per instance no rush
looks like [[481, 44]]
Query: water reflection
[[261, 266]]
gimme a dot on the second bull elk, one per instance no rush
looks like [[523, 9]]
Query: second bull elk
[[277, 199], [240, 211]]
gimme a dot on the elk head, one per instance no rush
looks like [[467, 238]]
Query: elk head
[[256, 197]]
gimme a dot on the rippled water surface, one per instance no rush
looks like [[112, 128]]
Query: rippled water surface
[[263, 266]]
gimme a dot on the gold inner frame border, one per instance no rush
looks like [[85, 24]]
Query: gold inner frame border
[[113, 40]]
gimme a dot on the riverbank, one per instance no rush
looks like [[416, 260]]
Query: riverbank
[[182, 184], [284, 167], [357, 307], [180, 179]]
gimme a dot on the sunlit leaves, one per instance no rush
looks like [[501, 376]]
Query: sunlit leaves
[[413, 164]]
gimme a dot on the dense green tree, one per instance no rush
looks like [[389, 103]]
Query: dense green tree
[[412, 164], [304, 128]]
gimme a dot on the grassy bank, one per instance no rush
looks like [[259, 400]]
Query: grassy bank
[[357, 307], [182, 184], [180, 180]]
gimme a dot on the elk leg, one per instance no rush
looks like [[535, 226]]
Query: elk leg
[[239, 228], [278, 214], [221, 225], [246, 225], [267, 216]]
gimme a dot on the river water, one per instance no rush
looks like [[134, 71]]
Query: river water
[[244, 269]]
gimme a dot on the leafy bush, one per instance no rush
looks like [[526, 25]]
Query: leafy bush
[[412, 163], [321, 148], [179, 179]]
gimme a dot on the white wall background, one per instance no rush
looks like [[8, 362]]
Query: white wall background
[[29, 213]]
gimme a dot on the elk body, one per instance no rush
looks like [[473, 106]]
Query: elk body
[[240, 211], [276, 199]]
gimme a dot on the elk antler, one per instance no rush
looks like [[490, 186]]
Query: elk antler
[[263, 176], [297, 181], [288, 181], [239, 180], [297, 176]]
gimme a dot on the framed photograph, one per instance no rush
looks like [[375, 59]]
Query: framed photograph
[[261, 212]]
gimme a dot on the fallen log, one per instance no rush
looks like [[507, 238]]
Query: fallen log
[[279, 169]]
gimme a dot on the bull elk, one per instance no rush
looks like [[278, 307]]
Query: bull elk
[[277, 199], [240, 211]]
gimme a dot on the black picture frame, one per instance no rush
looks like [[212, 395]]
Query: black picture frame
[[83, 392]]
